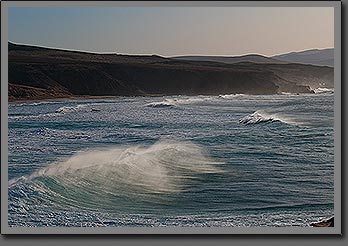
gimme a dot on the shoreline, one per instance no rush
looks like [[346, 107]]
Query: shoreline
[[58, 98], [77, 97], [73, 98]]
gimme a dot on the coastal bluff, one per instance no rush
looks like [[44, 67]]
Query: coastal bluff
[[41, 73]]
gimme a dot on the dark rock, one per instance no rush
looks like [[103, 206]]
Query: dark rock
[[324, 223]]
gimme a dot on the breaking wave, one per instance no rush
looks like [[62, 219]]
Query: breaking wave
[[164, 167], [231, 96], [33, 116], [35, 103], [60, 111], [174, 102], [288, 93], [69, 109], [160, 105], [324, 90], [57, 112], [263, 117]]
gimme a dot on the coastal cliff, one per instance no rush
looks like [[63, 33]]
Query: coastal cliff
[[40, 73]]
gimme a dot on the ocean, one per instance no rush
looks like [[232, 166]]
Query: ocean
[[224, 161]]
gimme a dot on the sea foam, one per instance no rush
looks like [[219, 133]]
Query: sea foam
[[324, 90], [174, 102], [166, 166]]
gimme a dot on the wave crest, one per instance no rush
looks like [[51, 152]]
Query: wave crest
[[165, 167], [263, 117], [163, 104], [174, 102], [69, 109], [231, 96], [324, 90]]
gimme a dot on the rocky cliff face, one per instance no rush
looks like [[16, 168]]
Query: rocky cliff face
[[37, 73]]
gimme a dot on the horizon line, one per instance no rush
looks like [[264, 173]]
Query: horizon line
[[152, 54]]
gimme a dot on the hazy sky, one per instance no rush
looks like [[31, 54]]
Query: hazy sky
[[170, 31]]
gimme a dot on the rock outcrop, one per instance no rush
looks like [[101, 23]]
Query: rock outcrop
[[324, 223]]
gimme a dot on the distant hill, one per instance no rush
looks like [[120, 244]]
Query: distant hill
[[39, 73], [232, 59], [324, 57]]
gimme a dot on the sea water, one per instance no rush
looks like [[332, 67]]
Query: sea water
[[228, 160]]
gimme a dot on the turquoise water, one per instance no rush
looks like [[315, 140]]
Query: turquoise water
[[229, 160]]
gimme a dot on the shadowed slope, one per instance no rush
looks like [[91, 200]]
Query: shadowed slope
[[37, 73]]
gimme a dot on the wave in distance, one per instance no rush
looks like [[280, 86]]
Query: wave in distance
[[263, 117]]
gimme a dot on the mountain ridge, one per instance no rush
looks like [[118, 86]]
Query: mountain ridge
[[255, 58], [320, 57]]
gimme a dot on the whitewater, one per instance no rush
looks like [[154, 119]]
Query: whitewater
[[225, 161]]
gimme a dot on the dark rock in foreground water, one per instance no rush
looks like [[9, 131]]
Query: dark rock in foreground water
[[324, 223]]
